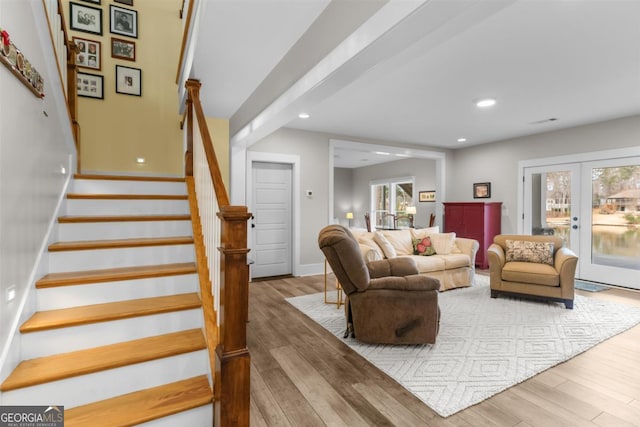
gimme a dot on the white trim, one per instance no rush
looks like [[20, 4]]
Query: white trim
[[440, 158], [189, 52], [294, 161], [310, 269]]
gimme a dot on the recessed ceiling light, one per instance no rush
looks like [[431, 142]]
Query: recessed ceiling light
[[303, 115], [487, 102], [382, 153], [462, 139], [140, 160]]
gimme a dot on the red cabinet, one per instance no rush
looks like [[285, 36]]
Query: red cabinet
[[474, 220]]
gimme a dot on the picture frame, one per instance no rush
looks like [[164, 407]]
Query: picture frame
[[123, 21], [90, 85], [128, 80], [123, 49], [86, 19], [93, 1], [481, 190], [427, 196], [127, 2], [89, 53]]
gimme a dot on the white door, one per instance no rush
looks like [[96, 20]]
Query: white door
[[271, 225], [610, 230], [595, 207]]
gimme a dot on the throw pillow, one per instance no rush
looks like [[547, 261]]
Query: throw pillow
[[400, 240], [443, 242], [525, 251], [423, 247], [419, 233], [384, 244], [372, 245]]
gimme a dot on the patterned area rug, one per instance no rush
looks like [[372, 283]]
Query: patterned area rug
[[484, 345]]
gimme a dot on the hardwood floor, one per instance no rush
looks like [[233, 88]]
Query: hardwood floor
[[301, 375]]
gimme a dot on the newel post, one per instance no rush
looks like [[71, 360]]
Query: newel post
[[232, 385], [193, 90]]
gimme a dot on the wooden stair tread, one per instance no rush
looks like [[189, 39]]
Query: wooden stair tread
[[129, 178], [142, 406], [103, 196], [115, 274], [119, 243], [122, 218], [60, 366], [74, 316]]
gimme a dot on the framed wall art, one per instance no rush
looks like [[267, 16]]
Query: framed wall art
[[123, 49], [123, 21], [427, 196], [127, 2], [128, 80], [90, 85], [85, 18], [89, 53], [93, 1], [482, 190]]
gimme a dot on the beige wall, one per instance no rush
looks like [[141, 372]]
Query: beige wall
[[120, 127]]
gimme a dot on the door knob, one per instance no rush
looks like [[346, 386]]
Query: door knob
[[575, 227]]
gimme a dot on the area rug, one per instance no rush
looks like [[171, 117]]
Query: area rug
[[484, 345]]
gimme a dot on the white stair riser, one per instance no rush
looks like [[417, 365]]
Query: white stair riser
[[122, 230], [94, 259], [64, 340], [126, 207], [97, 293], [90, 186], [197, 417], [102, 385]]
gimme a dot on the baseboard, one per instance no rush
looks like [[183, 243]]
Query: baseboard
[[309, 269]]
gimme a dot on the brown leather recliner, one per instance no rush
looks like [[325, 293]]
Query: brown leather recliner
[[553, 281], [387, 301]]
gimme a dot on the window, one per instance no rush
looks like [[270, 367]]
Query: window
[[390, 199]]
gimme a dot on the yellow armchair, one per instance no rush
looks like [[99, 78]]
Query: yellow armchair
[[538, 266]]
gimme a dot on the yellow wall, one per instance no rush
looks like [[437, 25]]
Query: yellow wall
[[219, 130], [120, 127]]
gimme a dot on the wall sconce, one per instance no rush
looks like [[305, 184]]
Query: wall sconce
[[350, 218]]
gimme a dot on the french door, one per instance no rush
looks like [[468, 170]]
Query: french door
[[595, 207]]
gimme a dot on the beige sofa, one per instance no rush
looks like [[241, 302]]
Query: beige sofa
[[453, 263]]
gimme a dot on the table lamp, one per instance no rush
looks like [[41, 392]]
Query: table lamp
[[350, 218], [411, 211]]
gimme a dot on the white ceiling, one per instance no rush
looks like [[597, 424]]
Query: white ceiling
[[575, 61]]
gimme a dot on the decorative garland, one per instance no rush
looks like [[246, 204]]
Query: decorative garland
[[15, 60]]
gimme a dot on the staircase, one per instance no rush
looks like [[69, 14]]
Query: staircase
[[117, 337]]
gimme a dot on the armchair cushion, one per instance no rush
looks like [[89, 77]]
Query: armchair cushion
[[536, 252], [529, 272]]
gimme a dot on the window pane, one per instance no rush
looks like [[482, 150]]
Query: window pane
[[616, 216]]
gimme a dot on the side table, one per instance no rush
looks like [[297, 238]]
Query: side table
[[339, 297]]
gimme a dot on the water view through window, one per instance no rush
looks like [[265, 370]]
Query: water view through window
[[615, 213]]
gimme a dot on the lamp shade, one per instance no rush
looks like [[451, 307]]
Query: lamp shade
[[349, 215], [411, 210]]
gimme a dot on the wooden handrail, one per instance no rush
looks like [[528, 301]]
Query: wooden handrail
[[185, 33], [224, 273], [71, 74], [193, 87]]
